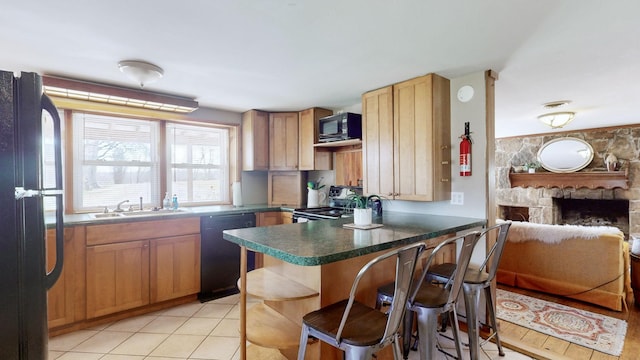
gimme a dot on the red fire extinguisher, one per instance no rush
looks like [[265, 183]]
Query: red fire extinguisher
[[465, 152]]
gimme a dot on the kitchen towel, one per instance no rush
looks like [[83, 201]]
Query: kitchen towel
[[237, 193]]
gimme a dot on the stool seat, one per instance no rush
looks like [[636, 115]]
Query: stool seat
[[357, 329], [473, 275], [364, 327]]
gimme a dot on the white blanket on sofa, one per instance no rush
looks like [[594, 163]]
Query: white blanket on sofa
[[553, 234]]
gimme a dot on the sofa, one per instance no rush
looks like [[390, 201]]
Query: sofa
[[587, 263]]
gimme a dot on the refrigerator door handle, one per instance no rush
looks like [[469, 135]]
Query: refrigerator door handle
[[22, 193], [53, 276]]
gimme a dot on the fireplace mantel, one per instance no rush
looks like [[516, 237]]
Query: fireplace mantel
[[576, 180]]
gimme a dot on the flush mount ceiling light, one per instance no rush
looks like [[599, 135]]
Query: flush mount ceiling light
[[555, 104], [557, 119], [140, 71]]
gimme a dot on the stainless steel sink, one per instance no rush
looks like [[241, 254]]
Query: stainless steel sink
[[105, 215], [152, 212], [136, 213]]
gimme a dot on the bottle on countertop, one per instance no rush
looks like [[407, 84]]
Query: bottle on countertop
[[174, 202], [166, 204]]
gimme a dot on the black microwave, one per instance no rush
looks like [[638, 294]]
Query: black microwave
[[340, 127]]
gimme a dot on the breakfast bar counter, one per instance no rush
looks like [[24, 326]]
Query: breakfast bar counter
[[313, 264]]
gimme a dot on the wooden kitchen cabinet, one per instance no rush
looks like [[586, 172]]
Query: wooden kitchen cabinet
[[287, 188], [283, 142], [175, 267], [66, 299], [406, 132], [255, 140], [310, 157], [117, 277], [268, 218], [132, 264]]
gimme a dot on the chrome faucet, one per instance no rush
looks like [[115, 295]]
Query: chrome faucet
[[118, 209]]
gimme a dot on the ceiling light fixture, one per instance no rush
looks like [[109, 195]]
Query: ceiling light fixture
[[557, 119], [107, 94], [141, 72], [555, 104]]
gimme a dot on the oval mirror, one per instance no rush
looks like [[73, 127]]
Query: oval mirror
[[565, 155]]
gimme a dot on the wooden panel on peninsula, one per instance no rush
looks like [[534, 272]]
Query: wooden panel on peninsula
[[576, 180]]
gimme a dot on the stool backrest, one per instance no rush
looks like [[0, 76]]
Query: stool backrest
[[495, 253], [457, 276], [406, 259]]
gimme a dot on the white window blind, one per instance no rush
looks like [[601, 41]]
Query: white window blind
[[198, 170], [115, 159]]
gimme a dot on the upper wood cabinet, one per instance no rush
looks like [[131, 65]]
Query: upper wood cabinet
[[406, 132], [310, 157], [255, 140], [283, 142]]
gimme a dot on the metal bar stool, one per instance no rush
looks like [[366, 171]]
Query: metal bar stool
[[429, 300], [475, 280], [359, 330]]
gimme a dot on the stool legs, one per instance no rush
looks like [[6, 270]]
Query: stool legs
[[491, 302], [428, 332], [471, 303], [304, 337]]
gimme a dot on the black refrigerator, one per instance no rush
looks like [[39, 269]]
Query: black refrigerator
[[24, 112]]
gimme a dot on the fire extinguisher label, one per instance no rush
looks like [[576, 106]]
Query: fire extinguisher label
[[465, 164]]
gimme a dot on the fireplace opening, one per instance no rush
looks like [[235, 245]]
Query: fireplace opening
[[515, 213], [591, 212]]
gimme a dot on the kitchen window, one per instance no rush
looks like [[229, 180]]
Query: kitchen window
[[115, 159], [198, 163]]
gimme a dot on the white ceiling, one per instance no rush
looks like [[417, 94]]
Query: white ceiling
[[295, 54]]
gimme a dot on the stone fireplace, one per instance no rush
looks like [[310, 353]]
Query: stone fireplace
[[564, 204]]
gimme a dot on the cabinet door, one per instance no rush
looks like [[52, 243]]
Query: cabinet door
[[287, 217], [310, 157], [117, 277], [175, 267], [283, 142], [255, 140], [377, 142], [268, 218], [65, 300], [287, 188], [419, 129]]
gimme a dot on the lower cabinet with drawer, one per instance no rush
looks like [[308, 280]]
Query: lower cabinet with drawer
[[128, 265]]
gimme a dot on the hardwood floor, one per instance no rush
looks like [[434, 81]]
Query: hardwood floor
[[542, 346]]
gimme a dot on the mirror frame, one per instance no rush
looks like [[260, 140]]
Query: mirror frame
[[552, 147]]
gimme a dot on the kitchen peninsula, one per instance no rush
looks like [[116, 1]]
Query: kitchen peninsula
[[313, 264]]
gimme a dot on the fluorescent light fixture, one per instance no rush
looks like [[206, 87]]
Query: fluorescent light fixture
[[107, 94], [557, 119]]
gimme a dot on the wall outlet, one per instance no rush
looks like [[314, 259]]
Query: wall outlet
[[457, 198]]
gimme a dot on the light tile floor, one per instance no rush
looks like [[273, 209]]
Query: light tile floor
[[191, 331]]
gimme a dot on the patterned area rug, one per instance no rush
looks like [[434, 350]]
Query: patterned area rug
[[595, 331]]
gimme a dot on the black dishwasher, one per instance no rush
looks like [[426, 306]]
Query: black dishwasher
[[219, 258]]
